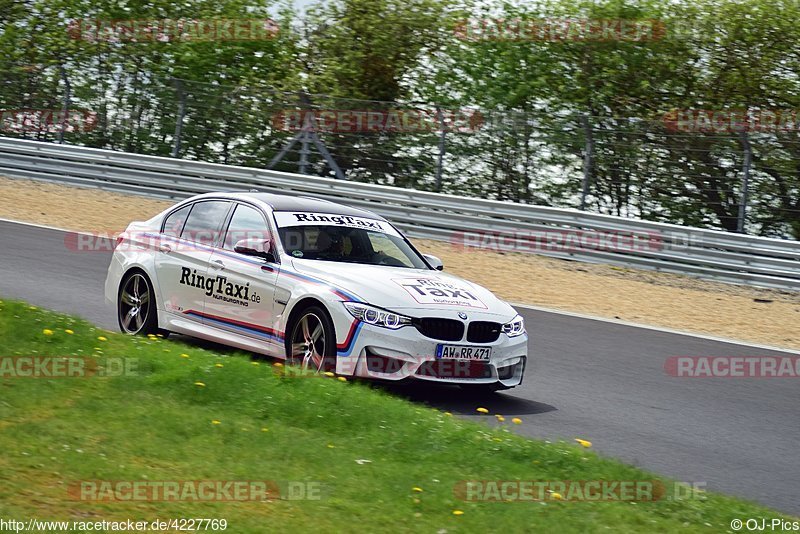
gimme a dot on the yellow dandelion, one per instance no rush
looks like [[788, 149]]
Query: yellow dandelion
[[68, 331], [102, 338], [264, 429], [184, 355], [218, 365], [482, 410], [458, 512], [517, 421], [556, 496], [277, 364], [329, 374], [583, 442], [342, 379], [331, 446], [199, 384], [47, 332], [500, 418], [159, 335], [417, 489], [448, 414], [215, 422], [253, 363]]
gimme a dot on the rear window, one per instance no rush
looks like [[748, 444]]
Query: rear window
[[173, 225]]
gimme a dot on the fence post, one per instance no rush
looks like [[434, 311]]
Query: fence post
[[746, 166], [176, 145], [440, 157], [305, 136], [66, 102], [588, 158], [302, 166]]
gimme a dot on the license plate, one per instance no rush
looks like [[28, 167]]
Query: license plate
[[463, 352]]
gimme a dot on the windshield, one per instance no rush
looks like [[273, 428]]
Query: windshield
[[346, 240]]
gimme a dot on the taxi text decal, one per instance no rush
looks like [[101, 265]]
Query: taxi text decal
[[432, 291]]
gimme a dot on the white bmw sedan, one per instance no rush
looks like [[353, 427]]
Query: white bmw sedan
[[326, 287]]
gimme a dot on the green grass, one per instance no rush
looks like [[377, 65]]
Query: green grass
[[157, 425]]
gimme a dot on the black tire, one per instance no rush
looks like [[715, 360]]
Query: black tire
[[311, 343], [136, 305]]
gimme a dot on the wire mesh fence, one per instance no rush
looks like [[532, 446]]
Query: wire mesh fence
[[681, 167]]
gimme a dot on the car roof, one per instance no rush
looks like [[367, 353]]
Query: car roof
[[300, 203]]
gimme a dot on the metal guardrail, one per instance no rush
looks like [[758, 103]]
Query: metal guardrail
[[464, 221]]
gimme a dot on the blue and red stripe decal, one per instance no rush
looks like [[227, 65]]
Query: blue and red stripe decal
[[341, 293], [346, 348], [342, 349], [247, 328]]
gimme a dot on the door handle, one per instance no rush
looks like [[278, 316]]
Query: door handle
[[217, 264], [165, 248]]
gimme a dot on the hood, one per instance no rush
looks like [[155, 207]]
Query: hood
[[405, 290]]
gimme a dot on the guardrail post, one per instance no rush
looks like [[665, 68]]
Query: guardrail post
[[748, 162], [176, 145], [588, 158]]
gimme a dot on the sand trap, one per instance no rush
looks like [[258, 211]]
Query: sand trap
[[645, 297]]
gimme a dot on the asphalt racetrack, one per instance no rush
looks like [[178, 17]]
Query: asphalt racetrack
[[591, 379]]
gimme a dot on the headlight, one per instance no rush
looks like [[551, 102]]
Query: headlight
[[377, 316], [515, 328]]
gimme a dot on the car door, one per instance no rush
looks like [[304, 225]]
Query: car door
[[183, 255], [243, 299]]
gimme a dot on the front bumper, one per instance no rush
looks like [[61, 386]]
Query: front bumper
[[394, 355]]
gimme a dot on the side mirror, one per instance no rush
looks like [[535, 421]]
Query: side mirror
[[257, 247], [434, 262]]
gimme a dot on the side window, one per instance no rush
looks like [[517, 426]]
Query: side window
[[205, 221], [385, 246], [173, 225], [246, 223]]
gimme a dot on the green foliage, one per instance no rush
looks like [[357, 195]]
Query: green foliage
[[536, 95]]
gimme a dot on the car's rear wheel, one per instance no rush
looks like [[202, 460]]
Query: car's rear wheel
[[136, 305], [312, 344]]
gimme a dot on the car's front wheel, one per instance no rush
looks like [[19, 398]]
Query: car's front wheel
[[312, 344], [136, 305]]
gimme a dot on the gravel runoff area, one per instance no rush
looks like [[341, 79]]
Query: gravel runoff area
[[646, 297]]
